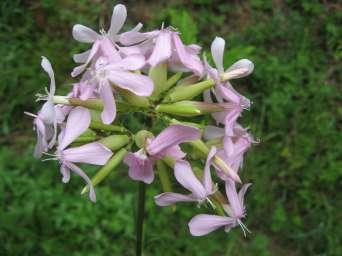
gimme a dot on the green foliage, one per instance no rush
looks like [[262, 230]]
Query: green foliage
[[293, 207], [182, 20]]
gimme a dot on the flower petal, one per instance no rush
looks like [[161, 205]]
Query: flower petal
[[162, 49], [230, 120], [84, 176], [118, 20], [217, 51], [228, 93], [129, 50], [169, 198], [233, 199], [140, 167], [47, 112], [135, 37], [84, 34], [132, 62], [42, 145], [140, 85], [241, 68], [189, 60], [242, 193], [46, 65], [174, 151], [213, 132], [203, 224], [78, 121], [93, 51], [108, 50], [171, 136], [109, 108], [81, 57], [91, 153], [65, 173], [185, 176], [228, 146], [207, 181]]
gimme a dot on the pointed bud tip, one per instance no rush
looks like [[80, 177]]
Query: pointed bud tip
[[84, 190]]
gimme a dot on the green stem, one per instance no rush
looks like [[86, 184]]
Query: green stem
[[140, 218], [106, 169]]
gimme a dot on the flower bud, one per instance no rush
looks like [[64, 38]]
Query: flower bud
[[158, 74], [192, 108], [133, 99], [87, 136], [164, 176], [188, 92], [140, 138], [115, 142]]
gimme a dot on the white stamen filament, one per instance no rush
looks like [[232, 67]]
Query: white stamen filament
[[30, 114], [211, 203], [49, 159], [243, 227]]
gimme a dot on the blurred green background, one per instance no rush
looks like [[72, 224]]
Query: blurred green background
[[294, 206]]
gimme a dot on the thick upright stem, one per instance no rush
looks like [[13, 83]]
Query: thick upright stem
[[140, 218]]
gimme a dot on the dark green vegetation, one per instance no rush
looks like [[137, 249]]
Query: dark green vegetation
[[293, 207]]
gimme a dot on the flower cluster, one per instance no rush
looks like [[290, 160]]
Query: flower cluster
[[156, 74]]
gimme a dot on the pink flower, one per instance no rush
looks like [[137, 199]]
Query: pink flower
[[119, 74], [224, 92], [234, 146], [166, 46], [200, 191], [239, 69], [203, 224], [104, 44], [93, 153], [83, 90], [45, 122], [166, 143]]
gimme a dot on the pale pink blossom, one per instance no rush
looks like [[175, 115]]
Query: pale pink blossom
[[165, 46], [200, 190], [204, 224], [119, 75], [45, 122], [166, 143], [224, 92], [92, 153], [104, 44], [234, 147]]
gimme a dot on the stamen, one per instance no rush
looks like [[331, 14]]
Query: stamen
[[49, 154], [211, 203], [243, 227], [49, 159], [41, 97], [30, 114], [103, 32]]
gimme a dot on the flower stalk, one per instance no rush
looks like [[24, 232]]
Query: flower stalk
[[140, 218]]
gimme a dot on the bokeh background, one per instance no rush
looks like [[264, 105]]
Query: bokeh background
[[294, 206]]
